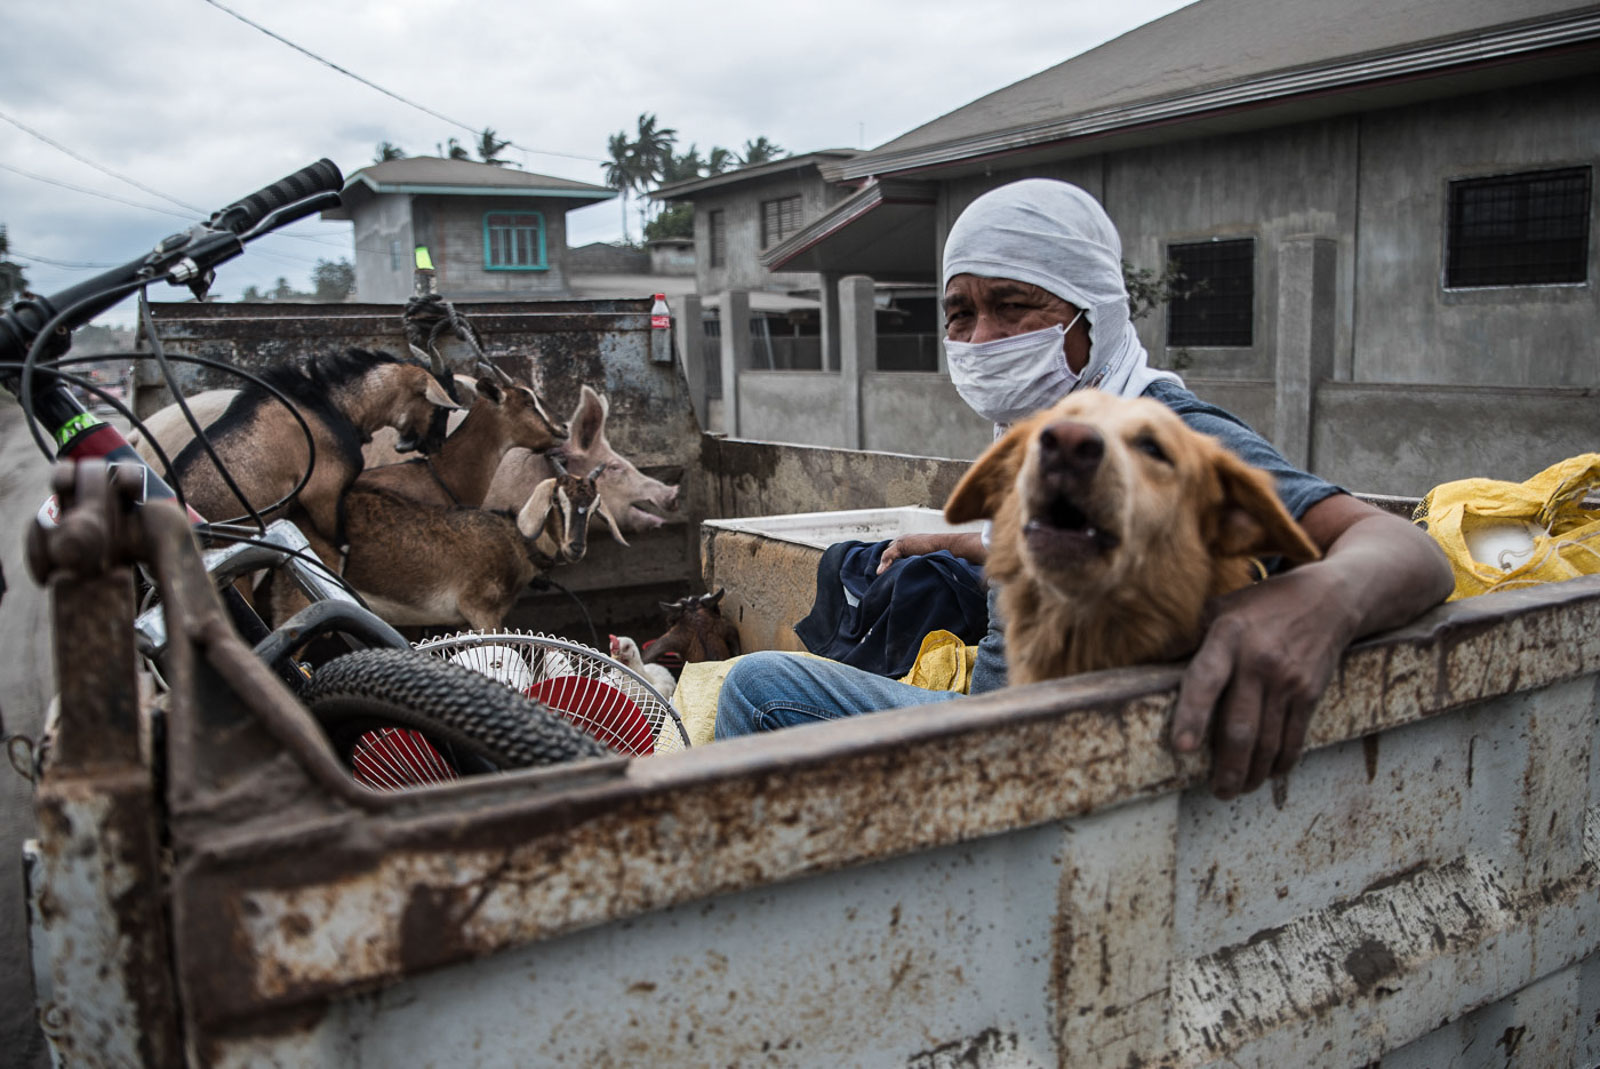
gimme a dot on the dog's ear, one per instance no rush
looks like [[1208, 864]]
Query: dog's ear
[[1251, 520], [979, 493]]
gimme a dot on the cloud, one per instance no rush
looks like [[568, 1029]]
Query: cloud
[[190, 101]]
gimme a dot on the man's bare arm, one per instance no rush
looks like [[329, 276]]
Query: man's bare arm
[[1271, 648]]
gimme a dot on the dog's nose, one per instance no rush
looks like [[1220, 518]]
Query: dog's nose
[[1071, 448]]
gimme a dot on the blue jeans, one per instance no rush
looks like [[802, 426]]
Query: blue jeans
[[768, 691]]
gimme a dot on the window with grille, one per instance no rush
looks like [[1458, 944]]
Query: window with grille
[[779, 219], [513, 241], [1218, 285], [1525, 229], [717, 224]]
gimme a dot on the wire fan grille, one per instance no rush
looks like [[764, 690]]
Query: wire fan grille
[[603, 697]]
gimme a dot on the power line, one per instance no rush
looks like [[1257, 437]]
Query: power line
[[96, 192], [389, 92], [81, 265], [30, 131]]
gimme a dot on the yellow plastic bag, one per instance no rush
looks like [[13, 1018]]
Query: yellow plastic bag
[[1502, 536], [943, 662]]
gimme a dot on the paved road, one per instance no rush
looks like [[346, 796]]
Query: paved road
[[25, 681]]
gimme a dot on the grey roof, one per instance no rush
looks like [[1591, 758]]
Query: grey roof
[[687, 188], [432, 174], [1230, 53]]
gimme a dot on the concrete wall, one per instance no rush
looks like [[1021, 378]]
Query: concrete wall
[[741, 208], [383, 229], [1408, 327], [920, 414], [793, 406], [1405, 440], [452, 228], [672, 258], [599, 257]]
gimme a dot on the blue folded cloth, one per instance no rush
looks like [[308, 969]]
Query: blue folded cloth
[[877, 622]]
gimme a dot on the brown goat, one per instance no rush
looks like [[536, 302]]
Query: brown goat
[[343, 400], [696, 631], [425, 565], [633, 497], [504, 415]]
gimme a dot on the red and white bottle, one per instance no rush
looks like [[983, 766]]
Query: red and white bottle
[[660, 314]]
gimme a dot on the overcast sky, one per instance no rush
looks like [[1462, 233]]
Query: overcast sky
[[196, 106]]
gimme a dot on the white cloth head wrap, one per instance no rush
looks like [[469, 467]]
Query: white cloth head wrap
[[1057, 237]]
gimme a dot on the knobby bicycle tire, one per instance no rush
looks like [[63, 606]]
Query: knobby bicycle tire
[[452, 706]]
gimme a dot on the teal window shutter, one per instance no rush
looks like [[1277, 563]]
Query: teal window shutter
[[514, 241]]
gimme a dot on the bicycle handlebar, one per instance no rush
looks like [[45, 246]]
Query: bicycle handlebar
[[246, 213], [187, 257]]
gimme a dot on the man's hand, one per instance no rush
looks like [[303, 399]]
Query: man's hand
[[966, 545], [1271, 648]]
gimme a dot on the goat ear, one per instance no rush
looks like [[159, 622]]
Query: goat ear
[[466, 388], [436, 395], [423, 355], [981, 490], [531, 519], [589, 419], [611, 521], [490, 390], [1251, 521]]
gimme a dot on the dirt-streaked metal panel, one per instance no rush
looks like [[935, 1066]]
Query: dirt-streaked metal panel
[[274, 920]]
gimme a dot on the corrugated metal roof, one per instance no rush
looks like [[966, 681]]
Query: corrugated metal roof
[[1220, 53], [685, 189], [431, 173]]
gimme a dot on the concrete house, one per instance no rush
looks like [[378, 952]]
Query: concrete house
[[492, 232], [740, 213], [1392, 207]]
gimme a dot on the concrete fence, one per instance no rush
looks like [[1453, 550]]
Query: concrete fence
[[1378, 437]]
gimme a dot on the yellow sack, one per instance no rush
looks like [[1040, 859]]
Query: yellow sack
[[943, 662], [1501, 536]]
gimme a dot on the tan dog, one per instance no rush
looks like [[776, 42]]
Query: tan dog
[[1114, 522]]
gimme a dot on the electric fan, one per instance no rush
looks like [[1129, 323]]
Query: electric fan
[[603, 697]]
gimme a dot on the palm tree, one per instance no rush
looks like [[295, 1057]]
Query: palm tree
[[13, 283], [388, 150], [684, 167], [457, 152], [489, 147], [720, 160], [761, 151], [621, 172], [653, 149]]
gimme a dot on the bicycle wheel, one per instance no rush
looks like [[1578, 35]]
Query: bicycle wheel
[[456, 709]]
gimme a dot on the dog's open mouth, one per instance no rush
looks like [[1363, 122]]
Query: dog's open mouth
[[1063, 533]]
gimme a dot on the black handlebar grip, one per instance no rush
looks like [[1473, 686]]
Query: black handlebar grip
[[242, 215]]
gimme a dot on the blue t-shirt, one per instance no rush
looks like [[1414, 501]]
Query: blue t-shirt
[[1297, 490]]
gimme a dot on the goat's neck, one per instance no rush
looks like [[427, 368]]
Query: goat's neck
[[366, 408], [467, 461]]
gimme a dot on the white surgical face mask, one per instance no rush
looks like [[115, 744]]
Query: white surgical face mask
[[1010, 378]]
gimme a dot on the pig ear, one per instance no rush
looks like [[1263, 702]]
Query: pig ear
[[1251, 521], [985, 485], [589, 419]]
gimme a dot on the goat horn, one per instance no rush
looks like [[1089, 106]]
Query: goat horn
[[595, 474], [555, 462], [497, 372]]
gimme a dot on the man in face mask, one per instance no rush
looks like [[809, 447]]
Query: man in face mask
[[1036, 307]]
